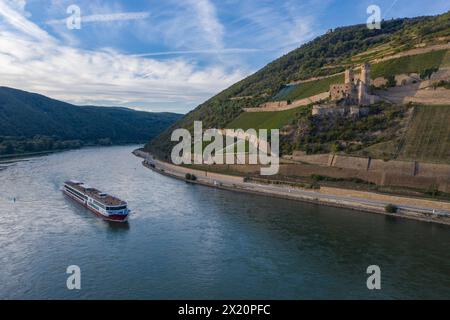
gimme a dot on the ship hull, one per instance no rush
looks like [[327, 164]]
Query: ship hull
[[112, 218]]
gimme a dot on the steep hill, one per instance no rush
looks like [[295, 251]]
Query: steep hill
[[32, 122], [326, 55]]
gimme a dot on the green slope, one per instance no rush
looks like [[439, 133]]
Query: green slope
[[311, 88], [31, 122], [410, 64], [325, 55], [266, 120], [428, 137]]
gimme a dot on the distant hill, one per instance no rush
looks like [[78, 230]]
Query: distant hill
[[32, 122], [327, 55]]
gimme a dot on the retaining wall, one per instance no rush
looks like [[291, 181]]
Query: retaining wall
[[390, 173]]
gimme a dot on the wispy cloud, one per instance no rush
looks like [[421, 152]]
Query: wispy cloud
[[209, 22], [205, 51], [122, 16], [13, 13], [31, 59]]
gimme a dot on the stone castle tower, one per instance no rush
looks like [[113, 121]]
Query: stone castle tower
[[365, 73], [349, 76], [363, 85], [353, 91]]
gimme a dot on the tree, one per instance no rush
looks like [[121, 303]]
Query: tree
[[335, 147], [390, 208], [9, 149], [391, 81]]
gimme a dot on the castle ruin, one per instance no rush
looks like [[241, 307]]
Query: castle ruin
[[353, 91], [350, 98]]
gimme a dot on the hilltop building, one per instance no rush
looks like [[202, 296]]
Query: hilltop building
[[350, 98]]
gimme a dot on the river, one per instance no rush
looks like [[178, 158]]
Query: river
[[187, 241]]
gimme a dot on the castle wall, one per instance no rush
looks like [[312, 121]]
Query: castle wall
[[389, 173], [349, 76], [350, 162], [322, 110], [379, 82], [365, 74], [400, 167], [341, 91], [432, 170], [406, 79], [320, 159]]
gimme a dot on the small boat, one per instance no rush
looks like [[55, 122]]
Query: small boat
[[103, 205]]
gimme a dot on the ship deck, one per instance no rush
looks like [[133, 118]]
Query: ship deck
[[103, 198]]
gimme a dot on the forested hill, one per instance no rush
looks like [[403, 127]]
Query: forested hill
[[327, 54], [31, 122]]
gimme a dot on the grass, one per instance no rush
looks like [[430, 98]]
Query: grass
[[373, 53], [409, 64], [265, 120], [428, 137], [446, 59], [285, 92], [308, 89]]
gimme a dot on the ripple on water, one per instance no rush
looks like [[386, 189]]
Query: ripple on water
[[188, 241]]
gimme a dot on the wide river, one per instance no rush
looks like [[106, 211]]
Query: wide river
[[186, 241]]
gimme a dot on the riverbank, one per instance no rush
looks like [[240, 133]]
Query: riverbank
[[11, 157], [21, 156], [411, 208]]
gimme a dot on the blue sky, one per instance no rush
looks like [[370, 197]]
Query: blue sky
[[164, 55]]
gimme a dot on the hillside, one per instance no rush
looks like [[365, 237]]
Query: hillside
[[31, 122], [310, 70], [429, 124]]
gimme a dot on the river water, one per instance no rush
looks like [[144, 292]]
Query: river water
[[186, 241]]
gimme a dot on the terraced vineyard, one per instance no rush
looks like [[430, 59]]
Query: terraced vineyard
[[428, 138], [266, 120], [308, 89], [409, 64], [327, 55], [446, 60]]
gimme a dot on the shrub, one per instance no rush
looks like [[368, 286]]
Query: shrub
[[433, 191], [390, 208], [391, 81], [426, 74], [190, 177]]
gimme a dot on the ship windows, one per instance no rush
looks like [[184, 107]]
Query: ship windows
[[116, 208], [99, 204], [75, 194], [71, 190]]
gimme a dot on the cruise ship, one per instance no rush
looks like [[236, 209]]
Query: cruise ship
[[103, 205]]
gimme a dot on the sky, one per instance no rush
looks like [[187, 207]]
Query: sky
[[163, 55]]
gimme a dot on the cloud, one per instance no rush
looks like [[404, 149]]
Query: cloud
[[122, 16], [32, 60], [181, 53], [209, 23], [12, 12], [205, 51]]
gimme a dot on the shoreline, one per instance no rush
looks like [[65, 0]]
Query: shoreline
[[25, 156], [330, 197]]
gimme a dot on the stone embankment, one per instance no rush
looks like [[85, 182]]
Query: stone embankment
[[410, 174], [419, 209]]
